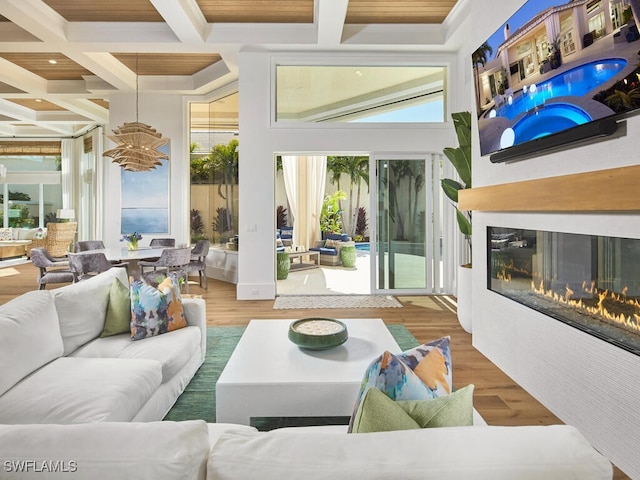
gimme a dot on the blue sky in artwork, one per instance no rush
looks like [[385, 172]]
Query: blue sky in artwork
[[522, 16], [146, 189]]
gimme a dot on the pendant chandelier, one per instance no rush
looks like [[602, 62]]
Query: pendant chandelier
[[138, 143]]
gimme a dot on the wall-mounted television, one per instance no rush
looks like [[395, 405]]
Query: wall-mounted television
[[556, 73]]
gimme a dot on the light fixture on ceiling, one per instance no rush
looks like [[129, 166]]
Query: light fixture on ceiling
[[53, 62], [138, 143]]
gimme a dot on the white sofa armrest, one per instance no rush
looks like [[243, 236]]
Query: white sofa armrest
[[195, 311]]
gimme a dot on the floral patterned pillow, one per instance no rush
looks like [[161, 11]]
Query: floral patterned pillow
[[6, 234], [155, 311], [421, 373]]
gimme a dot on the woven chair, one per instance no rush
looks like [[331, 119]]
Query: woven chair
[[198, 261], [172, 260], [89, 264], [51, 270], [58, 239]]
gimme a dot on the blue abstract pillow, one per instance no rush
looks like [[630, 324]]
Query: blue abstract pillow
[[155, 311], [421, 373]]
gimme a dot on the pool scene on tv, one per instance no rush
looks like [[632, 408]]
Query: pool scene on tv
[[553, 66]]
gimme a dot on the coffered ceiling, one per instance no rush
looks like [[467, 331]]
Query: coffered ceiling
[[61, 60]]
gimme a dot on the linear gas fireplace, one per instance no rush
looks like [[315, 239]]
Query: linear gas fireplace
[[589, 282]]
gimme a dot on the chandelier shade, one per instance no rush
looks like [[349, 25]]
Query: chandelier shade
[[137, 149], [138, 143]]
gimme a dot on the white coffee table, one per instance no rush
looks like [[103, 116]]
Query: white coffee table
[[269, 376]]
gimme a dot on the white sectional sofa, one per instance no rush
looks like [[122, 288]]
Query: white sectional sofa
[[193, 450], [79, 406], [56, 369]]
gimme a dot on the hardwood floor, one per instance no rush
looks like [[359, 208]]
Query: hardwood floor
[[498, 398]]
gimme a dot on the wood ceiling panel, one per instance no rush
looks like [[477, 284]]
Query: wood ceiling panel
[[257, 11], [37, 104], [106, 11], [167, 63], [38, 63], [5, 88], [101, 102], [398, 11]]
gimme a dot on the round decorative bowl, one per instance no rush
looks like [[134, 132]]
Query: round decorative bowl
[[318, 333]]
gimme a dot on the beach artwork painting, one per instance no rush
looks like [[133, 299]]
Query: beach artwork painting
[[145, 199]]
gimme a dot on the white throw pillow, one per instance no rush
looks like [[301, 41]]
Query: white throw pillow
[[29, 336], [82, 307]]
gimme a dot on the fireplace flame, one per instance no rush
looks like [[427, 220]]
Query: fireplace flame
[[629, 322]]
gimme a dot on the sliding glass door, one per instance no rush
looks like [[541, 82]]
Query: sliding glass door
[[406, 243]]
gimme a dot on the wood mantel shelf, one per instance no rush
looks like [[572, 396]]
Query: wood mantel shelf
[[611, 190]]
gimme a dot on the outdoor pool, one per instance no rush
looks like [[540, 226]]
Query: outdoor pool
[[575, 82], [553, 117]]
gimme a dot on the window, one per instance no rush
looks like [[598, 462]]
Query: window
[[214, 170], [31, 192], [317, 93]]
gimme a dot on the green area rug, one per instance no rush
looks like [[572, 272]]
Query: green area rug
[[198, 401]]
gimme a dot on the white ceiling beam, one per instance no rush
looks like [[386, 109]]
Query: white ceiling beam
[[330, 18], [205, 78], [390, 36], [37, 18], [120, 33], [260, 33], [85, 108], [107, 67], [7, 129], [184, 17], [22, 79]]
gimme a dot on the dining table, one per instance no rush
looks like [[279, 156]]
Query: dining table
[[115, 254]]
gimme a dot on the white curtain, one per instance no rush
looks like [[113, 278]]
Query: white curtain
[[317, 177], [96, 182], [304, 181], [290, 173], [68, 173]]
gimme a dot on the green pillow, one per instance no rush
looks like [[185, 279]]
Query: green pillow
[[118, 318], [378, 413]]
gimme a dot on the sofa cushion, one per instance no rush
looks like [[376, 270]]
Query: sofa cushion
[[78, 390], [110, 451], [29, 336], [82, 307], [556, 452], [6, 234], [171, 351], [420, 373], [155, 311], [378, 413], [118, 317]]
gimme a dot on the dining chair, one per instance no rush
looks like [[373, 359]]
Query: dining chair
[[85, 265], [198, 261], [171, 260], [162, 242], [51, 269], [85, 245]]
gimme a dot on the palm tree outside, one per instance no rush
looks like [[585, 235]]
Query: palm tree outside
[[480, 57]]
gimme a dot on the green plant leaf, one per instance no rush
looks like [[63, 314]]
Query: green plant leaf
[[462, 124], [464, 223], [450, 188], [460, 158]]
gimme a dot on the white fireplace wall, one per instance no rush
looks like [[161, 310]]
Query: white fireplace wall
[[585, 381]]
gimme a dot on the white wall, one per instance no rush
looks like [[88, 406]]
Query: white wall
[[584, 381], [168, 115], [259, 139]]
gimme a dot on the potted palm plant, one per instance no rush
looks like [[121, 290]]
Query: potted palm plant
[[460, 158]]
